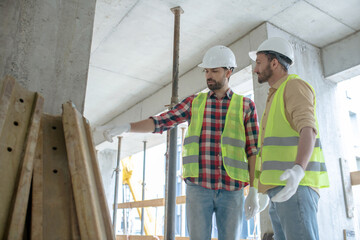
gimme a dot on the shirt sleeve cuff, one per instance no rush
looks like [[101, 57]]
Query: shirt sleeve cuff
[[157, 124], [307, 124], [251, 152]]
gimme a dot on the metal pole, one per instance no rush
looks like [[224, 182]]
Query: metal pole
[[124, 210], [143, 191], [170, 191], [182, 208], [117, 169]]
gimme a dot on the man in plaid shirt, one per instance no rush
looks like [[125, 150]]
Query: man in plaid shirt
[[210, 188]]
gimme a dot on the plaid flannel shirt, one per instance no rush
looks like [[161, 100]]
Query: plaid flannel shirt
[[212, 174]]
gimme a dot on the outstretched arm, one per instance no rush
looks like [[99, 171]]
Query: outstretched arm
[[143, 126], [155, 124]]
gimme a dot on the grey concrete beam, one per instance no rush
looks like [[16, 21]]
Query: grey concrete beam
[[341, 60]]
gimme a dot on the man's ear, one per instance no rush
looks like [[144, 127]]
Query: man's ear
[[228, 73], [274, 63]]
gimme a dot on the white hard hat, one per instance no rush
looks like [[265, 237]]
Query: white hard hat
[[275, 44], [218, 56]]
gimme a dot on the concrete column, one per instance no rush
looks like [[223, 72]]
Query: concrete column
[[45, 45], [308, 65], [107, 165]]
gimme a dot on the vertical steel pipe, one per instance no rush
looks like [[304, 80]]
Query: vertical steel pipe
[[124, 210], [143, 191], [170, 190], [117, 170], [182, 192]]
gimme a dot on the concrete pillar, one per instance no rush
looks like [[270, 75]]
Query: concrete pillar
[[45, 45], [107, 164], [308, 65]]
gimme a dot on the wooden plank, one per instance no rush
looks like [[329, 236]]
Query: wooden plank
[[346, 182], [355, 178], [150, 203], [19, 127], [98, 180], [150, 224], [92, 212], [7, 88], [53, 205], [17, 219], [7, 188], [37, 202], [349, 234]]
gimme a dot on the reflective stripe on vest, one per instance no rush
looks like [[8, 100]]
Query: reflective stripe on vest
[[232, 139], [286, 141], [279, 149], [277, 165]]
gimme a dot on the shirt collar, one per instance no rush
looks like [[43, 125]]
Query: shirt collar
[[279, 82], [229, 93]]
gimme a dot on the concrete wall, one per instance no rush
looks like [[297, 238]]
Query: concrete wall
[[308, 66], [45, 45]]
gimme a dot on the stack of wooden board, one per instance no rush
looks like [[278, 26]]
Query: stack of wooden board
[[50, 184]]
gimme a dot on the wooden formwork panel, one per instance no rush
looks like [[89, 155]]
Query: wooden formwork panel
[[53, 208], [355, 178], [150, 203], [20, 115], [91, 207]]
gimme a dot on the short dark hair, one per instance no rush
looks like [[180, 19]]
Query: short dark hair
[[284, 61], [229, 68]]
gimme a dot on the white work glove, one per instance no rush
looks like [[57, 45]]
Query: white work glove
[[110, 131], [293, 177], [255, 202], [263, 201], [251, 203]]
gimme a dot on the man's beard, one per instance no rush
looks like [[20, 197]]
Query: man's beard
[[215, 85], [265, 75]]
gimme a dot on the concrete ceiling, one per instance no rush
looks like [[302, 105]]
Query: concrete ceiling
[[132, 45]]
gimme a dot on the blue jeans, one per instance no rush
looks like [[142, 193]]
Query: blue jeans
[[201, 203], [295, 219]]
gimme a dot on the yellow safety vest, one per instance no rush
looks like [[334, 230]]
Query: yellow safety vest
[[232, 140], [280, 148]]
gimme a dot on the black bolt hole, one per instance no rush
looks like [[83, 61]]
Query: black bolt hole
[[16, 123], [54, 148], [9, 149], [55, 171], [53, 127], [21, 100]]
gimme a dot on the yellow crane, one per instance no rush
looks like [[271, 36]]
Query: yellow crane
[[135, 186]]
